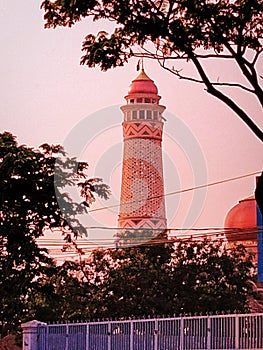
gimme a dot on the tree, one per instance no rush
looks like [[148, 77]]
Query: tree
[[209, 277], [29, 205], [172, 30], [134, 282], [160, 279], [62, 294]]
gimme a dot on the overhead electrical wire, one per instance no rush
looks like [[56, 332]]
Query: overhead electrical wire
[[233, 235], [214, 232], [181, 191]]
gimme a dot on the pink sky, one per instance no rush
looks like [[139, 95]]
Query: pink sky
[[45, 94]]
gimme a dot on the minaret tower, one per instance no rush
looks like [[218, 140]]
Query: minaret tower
[[142, 188]]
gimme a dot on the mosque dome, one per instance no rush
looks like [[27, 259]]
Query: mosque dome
[[242, 216], [142, 84]]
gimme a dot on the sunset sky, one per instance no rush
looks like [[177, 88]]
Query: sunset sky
[[46, 96]]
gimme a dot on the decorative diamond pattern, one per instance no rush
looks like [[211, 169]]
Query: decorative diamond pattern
[[142, 178], [143, 129]]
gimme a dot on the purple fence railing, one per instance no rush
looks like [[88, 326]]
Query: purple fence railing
[[220, 332]]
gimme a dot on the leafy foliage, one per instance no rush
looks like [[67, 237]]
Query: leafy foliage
[[152, 279], [61, 294], [137, 283], [209, 277], [29, 204], [161, 279], [170, 30], [149, 280]]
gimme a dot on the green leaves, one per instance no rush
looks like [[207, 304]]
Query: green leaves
[[186, 24], [33, 199], [160, 279], [174, 30], [213, 278], [106, 50], [60, 294], [149, 280], [67, 12]]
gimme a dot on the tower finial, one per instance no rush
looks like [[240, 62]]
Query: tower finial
[[140, 65]]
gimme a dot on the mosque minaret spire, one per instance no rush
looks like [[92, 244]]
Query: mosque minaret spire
[[142, 187]]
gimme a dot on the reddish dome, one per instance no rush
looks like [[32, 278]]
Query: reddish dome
[[142, 84], [243, 215]]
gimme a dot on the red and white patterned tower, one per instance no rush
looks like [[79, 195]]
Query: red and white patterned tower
[[142, 189]]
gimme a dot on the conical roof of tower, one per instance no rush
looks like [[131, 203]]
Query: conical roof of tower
[[142, 84]]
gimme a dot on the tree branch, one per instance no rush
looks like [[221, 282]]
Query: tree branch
[[230, 103], [256, 57], [180, 76], [161, 60], [155, 56], [250, 75], [215, 56], [184, 57]]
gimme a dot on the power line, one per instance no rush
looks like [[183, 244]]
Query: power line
[[169, 229], [181, 191], [233, 235]]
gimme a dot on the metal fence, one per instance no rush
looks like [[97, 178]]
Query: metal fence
[[183, 333]]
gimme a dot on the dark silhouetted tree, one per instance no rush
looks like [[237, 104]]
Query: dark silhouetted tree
[[170, 31], [160, 279], [29, 205]]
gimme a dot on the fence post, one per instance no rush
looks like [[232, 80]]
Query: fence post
[[181, 333], [30, 334], [236, 332], [109, 336], [67, 337], [131, 335], [208, 332], [87, 337], [156, 332]]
